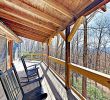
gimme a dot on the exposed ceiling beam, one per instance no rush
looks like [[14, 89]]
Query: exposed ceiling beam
[[36, 12], [53, 4], [103, 8], [62, 35], [29, 36], [27, 32], [20, 20], [96, 4], [17, 26], [9, 33], [26, 15]]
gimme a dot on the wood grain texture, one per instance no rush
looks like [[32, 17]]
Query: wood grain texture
[[10, 35], [48, 16]]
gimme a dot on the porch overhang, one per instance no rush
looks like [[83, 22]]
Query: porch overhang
[[42, 20]]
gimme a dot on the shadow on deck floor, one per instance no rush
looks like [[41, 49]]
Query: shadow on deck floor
[[50, 84]]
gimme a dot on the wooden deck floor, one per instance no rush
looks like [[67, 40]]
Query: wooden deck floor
[[50, 83]]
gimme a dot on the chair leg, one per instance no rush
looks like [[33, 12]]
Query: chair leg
[[39, 76], [27, 76], [40, 83], [28, 79], [38, 73]]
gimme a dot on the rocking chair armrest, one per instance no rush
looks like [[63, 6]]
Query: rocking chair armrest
[[33, 65]]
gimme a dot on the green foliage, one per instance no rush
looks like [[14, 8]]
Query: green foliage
[[94, 93], [78, 85]]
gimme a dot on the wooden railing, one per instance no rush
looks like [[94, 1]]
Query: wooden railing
[[96, 76]]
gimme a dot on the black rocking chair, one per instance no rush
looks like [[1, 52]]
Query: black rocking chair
[[13, 89], [33, 71]]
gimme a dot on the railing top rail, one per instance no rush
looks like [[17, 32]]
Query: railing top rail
[[99, 77]]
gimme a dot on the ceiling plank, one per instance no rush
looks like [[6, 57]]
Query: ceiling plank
[[57, 6], [42, 15], [20, 20], [25, 28], [27, 15], [29, 36], [25, 31]]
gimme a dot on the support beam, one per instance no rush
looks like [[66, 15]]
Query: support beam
[[103, 8], [42, 51], [62, 35], [10, 53], [75, 28], [67, 59], [94, 6], [48, 55], [50, 41]]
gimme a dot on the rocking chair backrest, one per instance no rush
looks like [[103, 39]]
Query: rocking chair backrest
[[17, 77], [10, 85], [24, 64]]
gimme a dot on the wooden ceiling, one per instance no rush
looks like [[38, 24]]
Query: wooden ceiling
[[40, 19]]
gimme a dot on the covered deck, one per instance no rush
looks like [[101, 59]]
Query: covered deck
[[41, 20]]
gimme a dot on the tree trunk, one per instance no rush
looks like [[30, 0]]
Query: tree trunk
[[105, 68], [84, 79], [61, 56], [56, 56], [98, 52], [77, 56]]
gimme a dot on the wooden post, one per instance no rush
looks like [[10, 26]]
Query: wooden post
[[67, 59], [42, 52], [10, 53], [48, 56]]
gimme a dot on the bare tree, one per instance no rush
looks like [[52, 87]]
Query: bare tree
[[84, 79]]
